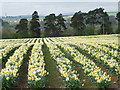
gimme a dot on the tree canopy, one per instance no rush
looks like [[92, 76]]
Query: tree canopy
[[54, 24], [35, 25], [23, 25], [118, 18], [77, 22]]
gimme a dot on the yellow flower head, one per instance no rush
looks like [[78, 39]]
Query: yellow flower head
[[7, 78]]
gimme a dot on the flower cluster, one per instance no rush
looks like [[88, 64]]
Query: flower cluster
[[10, 72], [103, 58], [64, 65], [7, 50], [113, 52], [112, 45], [36, 68], [2, 47], [89, 67]]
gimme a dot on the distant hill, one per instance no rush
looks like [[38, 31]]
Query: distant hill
[[111, 14], [29, 16]]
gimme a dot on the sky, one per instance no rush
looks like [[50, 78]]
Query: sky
[[60, 0], [15, 8]]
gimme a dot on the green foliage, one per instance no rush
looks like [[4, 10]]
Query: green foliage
[[118, 18], [50, 25], [106, 25], [77, 22], [4, 23], [95, 16], [112, 14], [72, 84], [38, 84], [118, 30], [54, 25], [98, 16], [35, 25], [24, 34], [7, 83], [23, 25], [69, 32], [106, 28], [60, 24], [90, 29], [8, 34]]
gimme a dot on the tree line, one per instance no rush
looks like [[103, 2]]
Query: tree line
[[54, 25]]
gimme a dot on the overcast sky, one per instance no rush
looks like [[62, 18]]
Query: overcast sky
[[14, 8], [59, 0]]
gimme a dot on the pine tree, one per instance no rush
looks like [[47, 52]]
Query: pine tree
[[77, 22], [118, 18], [50, 25], [35, 25], [98, 16], [22, 28], [60, 24], [106, 25], [23, 25], [54, 25]]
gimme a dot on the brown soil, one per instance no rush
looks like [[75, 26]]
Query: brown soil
[[5, 59], [80, 71], [54, 79], [87, 83], [115, 82], [22, 79]]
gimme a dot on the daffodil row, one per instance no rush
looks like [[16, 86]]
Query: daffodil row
[[27, 41], [103, 58], [33, 40], [57, 39], [96, 39], [13, 41], [7, 49], [39, 41], [90, 68], [112, 45], [108, 50], [36, 68], [48, 40], [2, 46], [70, 76], [10, 73]]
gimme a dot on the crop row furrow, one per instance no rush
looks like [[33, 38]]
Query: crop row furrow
[[70, 76], [90, 69], [105, 50], [10, 73], [99, 56]]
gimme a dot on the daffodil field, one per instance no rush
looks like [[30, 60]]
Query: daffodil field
[[80, 61]]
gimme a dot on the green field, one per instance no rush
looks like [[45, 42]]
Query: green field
[[60, 62], [112, 13]]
